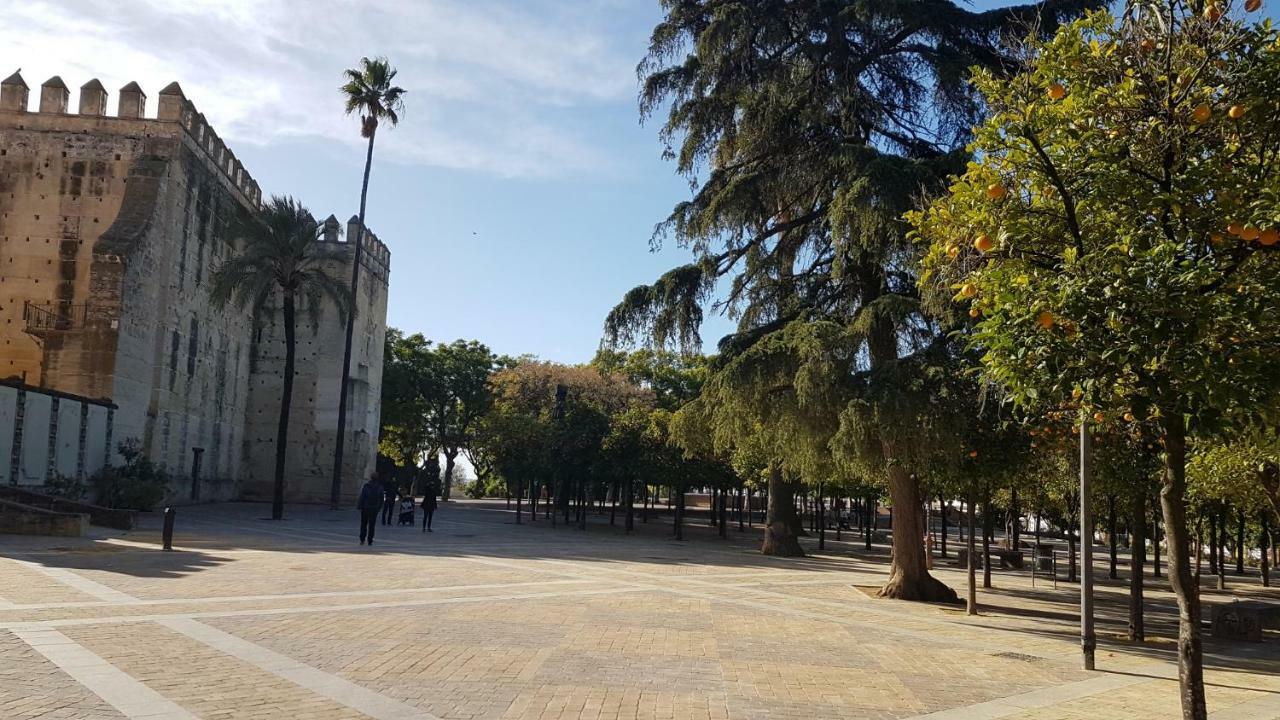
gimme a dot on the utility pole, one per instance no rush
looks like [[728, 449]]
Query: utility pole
[[1088, 641]]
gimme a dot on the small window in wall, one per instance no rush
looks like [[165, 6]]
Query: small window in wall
[[192, 343]]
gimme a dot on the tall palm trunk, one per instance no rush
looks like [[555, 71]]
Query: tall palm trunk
[[335, 489], [1173, 504], [286, 401]]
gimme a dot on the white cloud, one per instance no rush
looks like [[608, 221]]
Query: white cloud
[[490, 83]]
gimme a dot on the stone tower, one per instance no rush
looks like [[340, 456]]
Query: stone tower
[[109, 230]]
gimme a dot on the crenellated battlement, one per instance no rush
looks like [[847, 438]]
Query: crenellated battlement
[[173, 107], [375, 252]]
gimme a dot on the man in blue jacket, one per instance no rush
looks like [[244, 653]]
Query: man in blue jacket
[[369, 504]]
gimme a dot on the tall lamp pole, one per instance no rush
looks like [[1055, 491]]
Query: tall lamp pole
[[1088, 641]]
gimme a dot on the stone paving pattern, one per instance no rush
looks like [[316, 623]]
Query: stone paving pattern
[[486, 619]]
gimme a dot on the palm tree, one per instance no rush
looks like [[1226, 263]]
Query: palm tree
[[280, 259], [369, 93]]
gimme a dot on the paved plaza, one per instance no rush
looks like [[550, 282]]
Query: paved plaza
[[486, 619]]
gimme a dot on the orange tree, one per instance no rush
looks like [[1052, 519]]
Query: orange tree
[[1116, 234]]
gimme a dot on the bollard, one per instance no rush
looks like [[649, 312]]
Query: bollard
[[168, 528]]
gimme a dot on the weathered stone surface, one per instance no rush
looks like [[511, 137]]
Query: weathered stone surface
[[17, 519], [110, 228]]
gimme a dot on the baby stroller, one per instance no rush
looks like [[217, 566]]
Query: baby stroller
[[406, 511]]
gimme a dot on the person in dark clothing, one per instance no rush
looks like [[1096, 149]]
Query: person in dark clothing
[[369, 503], [389, 497], [428, 508]]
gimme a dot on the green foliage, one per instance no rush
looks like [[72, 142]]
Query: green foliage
[[433, 395], [1114, 271], [1243, 473], [65, 486], [138, 484], [368, 92], [279, 254]]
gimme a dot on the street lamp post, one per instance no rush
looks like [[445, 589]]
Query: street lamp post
[[1088, 641]]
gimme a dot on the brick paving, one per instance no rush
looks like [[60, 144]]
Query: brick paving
[[486, 619]]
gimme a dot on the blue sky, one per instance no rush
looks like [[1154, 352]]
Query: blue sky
[[517, 196]]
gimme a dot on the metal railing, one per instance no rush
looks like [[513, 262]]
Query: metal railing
[[62, 317]]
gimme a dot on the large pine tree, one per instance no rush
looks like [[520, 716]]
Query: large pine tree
[[807, 127]]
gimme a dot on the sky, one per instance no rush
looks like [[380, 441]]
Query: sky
[[519, 193]]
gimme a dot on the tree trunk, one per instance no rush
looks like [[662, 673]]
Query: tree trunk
[[1213, 544], [780, 537], [971, 603], [1071, 552], [942, 509], [986, 542], [1155, 538], [631, 504], [742, 508], [335, 487], [286, 401], [679, 513], [1137, 559], [868, 522], [1264, 541], [822, 520], [908, 577], [1239, 542], [1016, 510], [449, 457], [1173, 503], [1111, 534]]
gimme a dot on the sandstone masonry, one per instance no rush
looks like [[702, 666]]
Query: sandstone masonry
[[109, 229]]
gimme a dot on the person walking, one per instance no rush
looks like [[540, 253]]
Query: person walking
[[369, 503], [428, 507], [390, 494]]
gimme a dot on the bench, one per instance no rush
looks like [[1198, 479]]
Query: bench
[[1008, 558], [1244, 620]]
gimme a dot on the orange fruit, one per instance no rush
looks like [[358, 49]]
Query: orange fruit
[[1045, 319], [1147, 45], [1215, 238], [1235, 228], [1057, 92], [953, 250], [1099, 417], [1250, 233], [1076, 393], [983, 243], [1128, 417], [974, 312], [1202, 113], [969, 290], [1268, 237], [996, 191], [1236, 112], [973, 453], [1252, 5], [1212, 12]]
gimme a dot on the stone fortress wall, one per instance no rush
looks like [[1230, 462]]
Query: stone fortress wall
[[109, 230]]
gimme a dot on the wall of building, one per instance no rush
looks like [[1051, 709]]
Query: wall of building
[[44, 434], [318, 368], [109, 230]]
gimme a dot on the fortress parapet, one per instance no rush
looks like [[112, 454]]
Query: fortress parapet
[[173, 107]]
